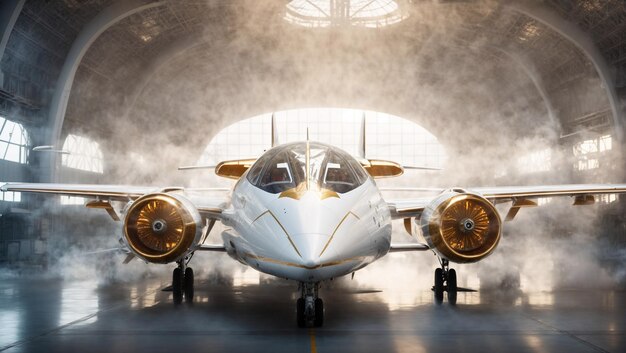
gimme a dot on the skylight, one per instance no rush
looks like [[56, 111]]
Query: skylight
[[335, 13]]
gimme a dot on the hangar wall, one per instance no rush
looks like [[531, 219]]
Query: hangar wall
[[548, 73]]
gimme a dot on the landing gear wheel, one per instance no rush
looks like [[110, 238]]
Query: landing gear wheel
[[452, 288], [177, 285], [438, 288], [319, 312], [188, 285], [300, 318]]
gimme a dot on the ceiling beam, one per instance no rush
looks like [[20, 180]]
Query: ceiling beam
[[585, 43], [9, 12]]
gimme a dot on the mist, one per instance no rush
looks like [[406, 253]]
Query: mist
[[439, 67]]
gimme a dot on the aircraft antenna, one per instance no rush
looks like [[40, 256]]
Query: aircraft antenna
[[308, 160]]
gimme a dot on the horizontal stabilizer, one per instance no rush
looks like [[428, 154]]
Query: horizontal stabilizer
[[192, 167], [410, 167]]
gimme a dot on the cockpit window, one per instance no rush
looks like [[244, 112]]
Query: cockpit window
[[286, 167], [278, 173], [339, 176]]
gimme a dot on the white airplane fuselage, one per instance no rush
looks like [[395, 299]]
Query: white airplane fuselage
[[310, 238]]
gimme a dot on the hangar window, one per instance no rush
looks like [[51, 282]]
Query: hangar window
[[72, 200], [13, 141], [10, 196], [543, 200], [588, 151], [387, 136], [607, 198], [84, 154], [333, 13], [537, 161]]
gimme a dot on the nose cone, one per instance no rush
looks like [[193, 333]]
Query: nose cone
[[309, 222], [310, 246]]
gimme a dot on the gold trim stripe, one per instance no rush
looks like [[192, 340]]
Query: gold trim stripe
[[337, 228], [292, 264], [281, 227]]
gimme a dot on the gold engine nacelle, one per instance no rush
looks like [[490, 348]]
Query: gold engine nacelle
[[461, 227], [162, 228]]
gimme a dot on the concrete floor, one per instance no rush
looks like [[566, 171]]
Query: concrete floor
[[47, 315]]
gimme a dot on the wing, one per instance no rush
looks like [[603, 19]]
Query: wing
[[521, 196], [210, 207], [512, 193], [409, 208], [108, 192]]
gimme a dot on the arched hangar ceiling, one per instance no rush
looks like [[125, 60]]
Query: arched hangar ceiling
[[181, 70]]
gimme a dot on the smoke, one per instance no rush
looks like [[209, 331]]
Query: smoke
[[448, 67]]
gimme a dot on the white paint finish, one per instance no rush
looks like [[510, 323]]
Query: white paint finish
[[310, 239]]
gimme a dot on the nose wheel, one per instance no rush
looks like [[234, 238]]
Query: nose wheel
[[182, 283], [445, 281], [309, 307]]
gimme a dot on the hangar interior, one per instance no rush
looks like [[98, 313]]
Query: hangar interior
[[492, 92]]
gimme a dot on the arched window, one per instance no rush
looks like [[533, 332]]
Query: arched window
[[84, 154], [10, 196], [387, 137], [13, 141]]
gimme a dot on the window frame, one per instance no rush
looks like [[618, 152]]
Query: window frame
[[23, 149]]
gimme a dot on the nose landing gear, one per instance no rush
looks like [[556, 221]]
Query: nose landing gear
[[445, 280], [309, 307], [182, 282]]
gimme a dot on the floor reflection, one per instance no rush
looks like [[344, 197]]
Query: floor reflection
[[250, 311]]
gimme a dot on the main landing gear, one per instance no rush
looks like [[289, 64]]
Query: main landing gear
[[445, 280], [182, 282], [310, 308]]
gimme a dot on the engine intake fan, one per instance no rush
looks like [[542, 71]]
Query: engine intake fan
[[461, 227], [161, 228]]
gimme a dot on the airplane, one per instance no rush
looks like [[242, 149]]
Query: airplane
[[309, 212]]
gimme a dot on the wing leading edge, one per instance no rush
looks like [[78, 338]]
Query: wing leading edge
[[210, 207], [406, 208]]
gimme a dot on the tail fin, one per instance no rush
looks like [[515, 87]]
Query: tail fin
[[274, 132], [362, 142]]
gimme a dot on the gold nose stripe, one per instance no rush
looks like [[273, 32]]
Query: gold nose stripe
[[337, 228], [281, 227], [299, 191]]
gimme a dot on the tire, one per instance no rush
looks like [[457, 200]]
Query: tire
[[300, 319], [452, 288], [188, 285], [177, 284], [438, 288], [319, 312]]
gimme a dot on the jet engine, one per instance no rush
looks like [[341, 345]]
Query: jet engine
[[161, 228], [461, 227]]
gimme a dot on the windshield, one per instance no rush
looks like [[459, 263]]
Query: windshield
[[287, 166]]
